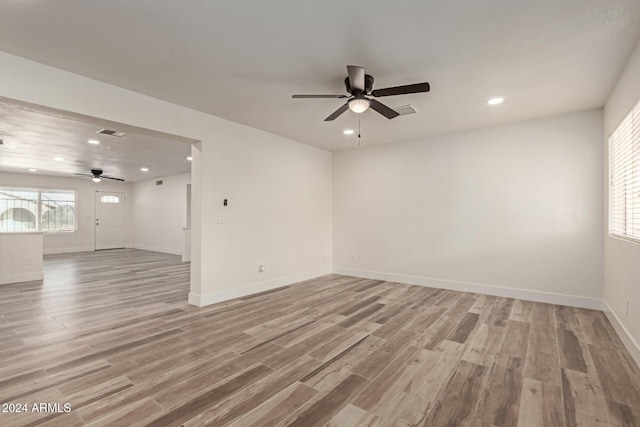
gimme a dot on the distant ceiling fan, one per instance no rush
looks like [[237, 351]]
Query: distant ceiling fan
[[359, 85], [96, 176]]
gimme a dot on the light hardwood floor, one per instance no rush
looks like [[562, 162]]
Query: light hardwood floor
[[111, 334]]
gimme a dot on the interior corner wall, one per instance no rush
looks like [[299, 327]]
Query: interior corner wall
[[282, 221], [195, 289], [511, 210], [622, 257], [159, 213], [84, 238]]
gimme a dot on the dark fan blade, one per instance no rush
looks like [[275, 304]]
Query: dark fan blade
[[356, 78], [402, 90], [383, 109], [108, 177], [337, 112], [318, 96], [83, 174]]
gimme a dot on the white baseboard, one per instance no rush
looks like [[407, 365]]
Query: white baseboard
[[194, 299], [22, 277], [212, 298], [625, 336], [157, 249], [68, 250], [186, 258], [478, 288]]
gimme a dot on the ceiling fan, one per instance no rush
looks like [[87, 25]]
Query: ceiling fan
[[96, 176], [359, 85]]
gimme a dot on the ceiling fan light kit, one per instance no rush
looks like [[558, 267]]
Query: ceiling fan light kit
[[359, 105], [359, 85]]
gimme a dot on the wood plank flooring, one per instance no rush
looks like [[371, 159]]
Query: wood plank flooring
[[111, 334]]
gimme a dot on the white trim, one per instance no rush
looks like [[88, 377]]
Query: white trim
[[22, 277], [478, 288], [623, 333], [67, 250], [624, 238], [20, 232], [194, 299], [207, 299], [157, 249]]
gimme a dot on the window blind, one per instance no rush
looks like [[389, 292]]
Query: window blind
[[624, 178]]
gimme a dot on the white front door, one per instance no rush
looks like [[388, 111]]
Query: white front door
[[110, 220]]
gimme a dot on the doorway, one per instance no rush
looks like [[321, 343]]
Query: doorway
[[110, 220]]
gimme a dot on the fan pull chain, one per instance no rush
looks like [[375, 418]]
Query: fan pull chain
[[358, 130]]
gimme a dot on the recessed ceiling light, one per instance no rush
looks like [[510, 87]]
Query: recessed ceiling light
[[190, 158], [58, 159], [33, 170], [495, 101], [144, 169], [93, 141], [348, 131]]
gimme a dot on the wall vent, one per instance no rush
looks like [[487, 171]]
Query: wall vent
[[117, 133], [406, 109], [159, 182]]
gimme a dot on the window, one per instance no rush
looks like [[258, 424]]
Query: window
[[624, 182], [109, 199], [24, 210]]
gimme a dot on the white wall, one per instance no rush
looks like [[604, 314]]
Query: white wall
[[224, 165], [279, 212], [621, 257], [83, 239], [513, 206], [159, 212], [21, 257]]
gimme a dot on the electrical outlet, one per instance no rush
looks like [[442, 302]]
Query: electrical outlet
[[29, 261], [627, 308], [225, 219], [354, 258], [218, 220]]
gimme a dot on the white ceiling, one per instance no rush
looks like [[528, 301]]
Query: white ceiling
[[32, 139], [243, 59]]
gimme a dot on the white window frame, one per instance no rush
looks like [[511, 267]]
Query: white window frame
[[39, 191], [624, 178], [110, 199]]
